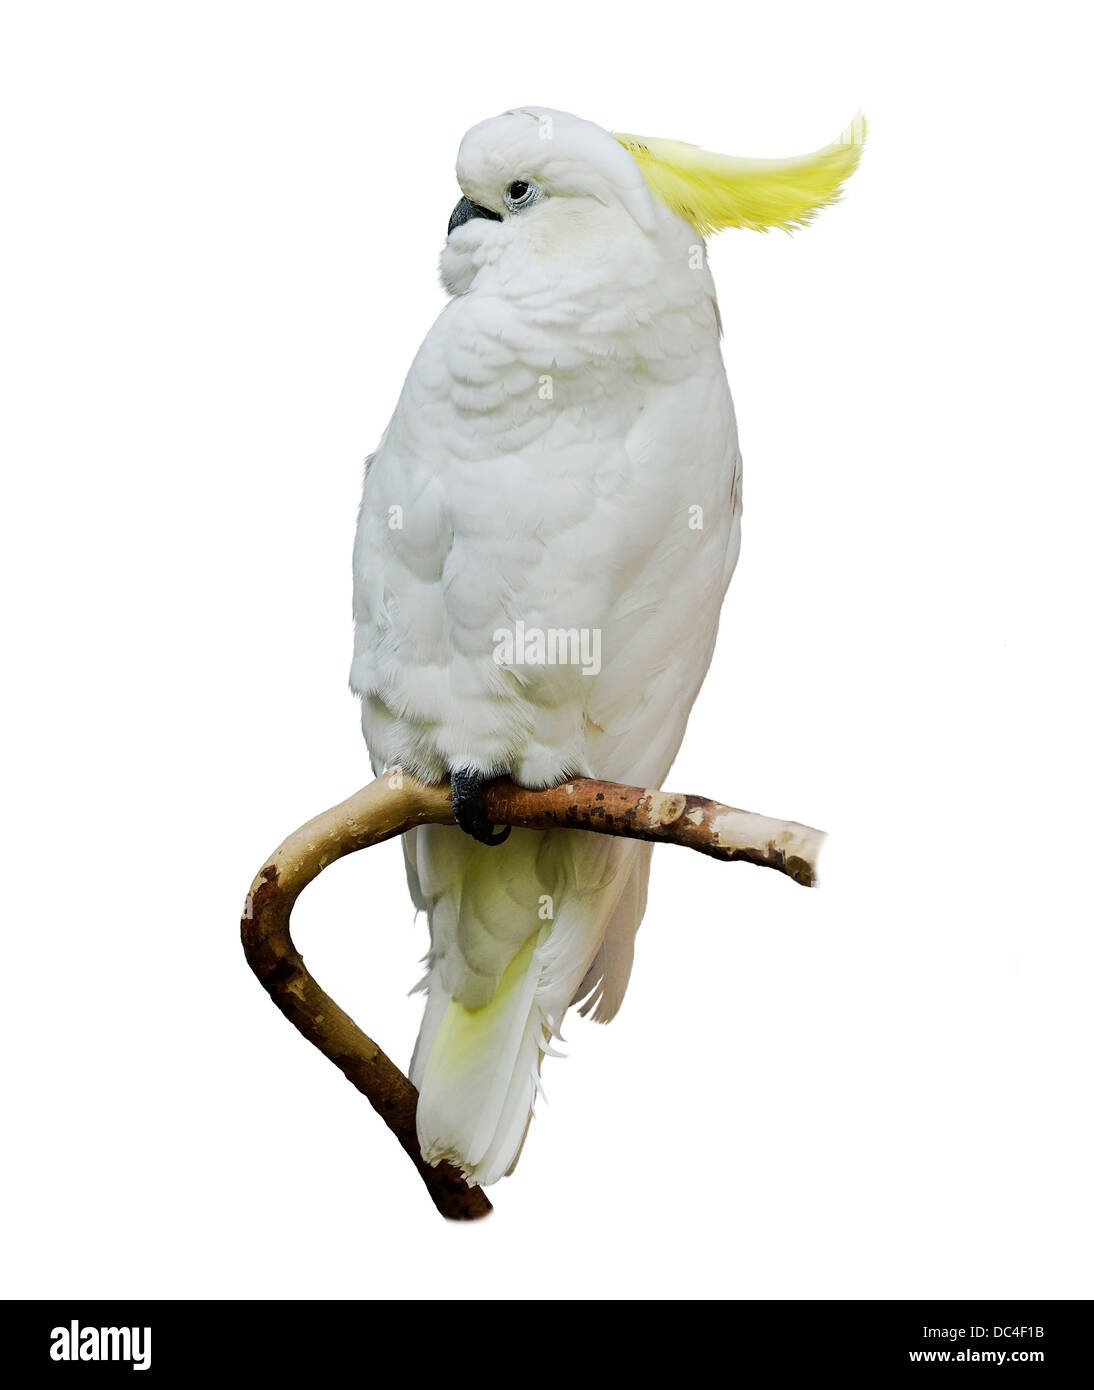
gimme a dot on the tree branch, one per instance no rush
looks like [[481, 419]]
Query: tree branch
[[396, 803]]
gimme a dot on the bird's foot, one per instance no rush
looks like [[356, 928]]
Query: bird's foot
[[467, 809]]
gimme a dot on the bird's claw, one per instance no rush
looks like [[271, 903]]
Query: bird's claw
[[468, 811]]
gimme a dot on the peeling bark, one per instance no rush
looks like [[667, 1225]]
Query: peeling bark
[[396, 803]]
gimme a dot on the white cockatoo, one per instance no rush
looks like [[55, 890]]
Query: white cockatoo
[[547, 530]]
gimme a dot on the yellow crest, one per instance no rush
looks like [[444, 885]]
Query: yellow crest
[[712, 191]]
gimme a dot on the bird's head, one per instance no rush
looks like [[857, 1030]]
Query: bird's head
[[539, 182], [543, 182]]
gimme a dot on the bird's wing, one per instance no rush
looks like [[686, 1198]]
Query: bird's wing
[[662, 632]]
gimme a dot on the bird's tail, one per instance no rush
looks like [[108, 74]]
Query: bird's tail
[[478, 1071], [476, 1066]]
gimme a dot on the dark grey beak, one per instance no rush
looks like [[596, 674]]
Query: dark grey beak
[[465, 209]]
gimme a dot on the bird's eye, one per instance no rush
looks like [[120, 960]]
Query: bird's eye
[[520, 193]]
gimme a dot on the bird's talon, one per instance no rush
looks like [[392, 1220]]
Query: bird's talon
[[492, 836], [468, 812]]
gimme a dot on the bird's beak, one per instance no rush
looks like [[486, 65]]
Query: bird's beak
[[465, 209]]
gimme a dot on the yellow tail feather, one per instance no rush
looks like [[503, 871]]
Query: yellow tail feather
[[713, 191]]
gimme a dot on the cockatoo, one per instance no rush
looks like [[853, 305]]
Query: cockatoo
[[547, 530]]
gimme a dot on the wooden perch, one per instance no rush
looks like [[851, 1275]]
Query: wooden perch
[[396, 803]]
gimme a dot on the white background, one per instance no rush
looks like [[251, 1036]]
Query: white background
[[222, 229]]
